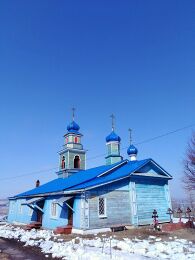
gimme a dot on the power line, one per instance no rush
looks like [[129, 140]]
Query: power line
[[100, 155], [149, 139], [28, 174], [163, 135]]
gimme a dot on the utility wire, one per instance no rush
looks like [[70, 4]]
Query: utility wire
[[28, 174], [149, 139], [100, 155]]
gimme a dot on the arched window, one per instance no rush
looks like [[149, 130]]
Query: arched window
[[76, 139], [63, 162], [77, 162], [66, 139]]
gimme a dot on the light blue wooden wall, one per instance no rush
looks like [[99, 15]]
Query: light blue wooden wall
[[48, 221], [151, 193], [117, 201], [15, 215], [53, 222], [62, 214], [77, 212]]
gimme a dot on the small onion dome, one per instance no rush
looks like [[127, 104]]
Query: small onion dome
[[73, 127], [113, 137], [132, 150]]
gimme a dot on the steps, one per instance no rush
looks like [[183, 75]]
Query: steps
[[32, 225], [63, 230]]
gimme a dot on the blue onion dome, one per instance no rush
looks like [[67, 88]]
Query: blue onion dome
[[132, 150], [113, 137], [73, 127]]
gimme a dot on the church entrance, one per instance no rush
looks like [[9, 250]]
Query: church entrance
[[40, 204], [70, 212]]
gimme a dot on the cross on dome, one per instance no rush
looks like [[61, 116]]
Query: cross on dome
[[130, 135], [113, 136], [113, 118], [73, 127], [132, 150], [73, 113]]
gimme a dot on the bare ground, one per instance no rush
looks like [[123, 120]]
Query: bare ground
[[11, 249]]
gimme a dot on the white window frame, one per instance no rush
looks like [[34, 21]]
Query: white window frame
[[105, 208], [51, 211]]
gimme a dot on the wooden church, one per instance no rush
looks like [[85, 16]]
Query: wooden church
[[122, 192]]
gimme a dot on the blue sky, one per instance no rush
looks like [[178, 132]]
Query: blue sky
[[135, 59]]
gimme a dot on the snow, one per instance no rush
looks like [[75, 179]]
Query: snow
[[101, 248], [176, 220]]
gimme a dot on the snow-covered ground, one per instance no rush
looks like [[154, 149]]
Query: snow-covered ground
[[101, 248], [176, 220]]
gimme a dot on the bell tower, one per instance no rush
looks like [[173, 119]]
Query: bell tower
[[113, 146], [72, 158]]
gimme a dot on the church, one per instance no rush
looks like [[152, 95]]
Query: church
[[123, 192]]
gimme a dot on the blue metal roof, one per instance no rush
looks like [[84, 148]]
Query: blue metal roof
[[78, 178], [119, 173], [91, 178]]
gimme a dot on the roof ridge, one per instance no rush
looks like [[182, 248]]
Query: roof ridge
[[114, 166], [118, 165]]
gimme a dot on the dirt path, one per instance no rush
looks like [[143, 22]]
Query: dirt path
[[14, 250]]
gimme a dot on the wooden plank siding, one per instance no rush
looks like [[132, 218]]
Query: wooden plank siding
[[150, 195], [118, 206], [118, 209]]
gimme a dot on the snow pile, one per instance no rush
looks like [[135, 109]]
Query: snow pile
[[184, 220], [101, 248]]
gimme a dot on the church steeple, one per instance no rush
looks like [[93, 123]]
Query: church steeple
[[72, 156], [113, 145], [132, 150]]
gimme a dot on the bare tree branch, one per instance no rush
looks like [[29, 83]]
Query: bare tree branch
[[189, 166]]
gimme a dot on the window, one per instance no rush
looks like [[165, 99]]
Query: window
[[63, 162], [66, 139], [102, 207], [76, 139], [77, 162], [53, 210]]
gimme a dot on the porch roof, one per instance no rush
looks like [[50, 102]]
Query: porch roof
[[63, 199], [33, 200]]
